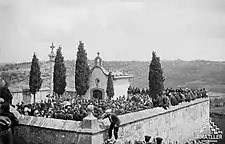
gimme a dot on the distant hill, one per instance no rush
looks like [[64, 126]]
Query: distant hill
[[192, 74]]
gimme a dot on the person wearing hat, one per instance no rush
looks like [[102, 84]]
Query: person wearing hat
[[114, 123], [147, 139], [159, 140]]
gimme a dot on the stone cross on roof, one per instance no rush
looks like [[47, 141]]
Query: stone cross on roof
[[98, 53], [52, 47]]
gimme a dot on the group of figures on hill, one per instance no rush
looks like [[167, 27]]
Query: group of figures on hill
[[76, 109]]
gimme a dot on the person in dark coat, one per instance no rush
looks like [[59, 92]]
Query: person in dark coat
[[5, 111], [7, 122], [159, 140], [4, 92], [147, 139], [173, 100], [166, 102], [159, 101], [5, 131], [115, 122]]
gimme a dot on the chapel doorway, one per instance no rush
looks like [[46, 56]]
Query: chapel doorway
[[97, 94]]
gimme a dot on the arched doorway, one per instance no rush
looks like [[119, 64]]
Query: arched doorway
[[97, 94]]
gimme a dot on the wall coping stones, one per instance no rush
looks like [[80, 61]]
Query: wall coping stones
[[50, 123], [150, 113], [76, 126], [90, 122]]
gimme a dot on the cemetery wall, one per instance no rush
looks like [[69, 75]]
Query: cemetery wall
[[38, 130], [182, 122]]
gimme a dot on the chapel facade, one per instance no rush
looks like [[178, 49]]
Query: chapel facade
[[98, 82]]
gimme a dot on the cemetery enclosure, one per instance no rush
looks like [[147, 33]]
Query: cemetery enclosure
[[181, 122]]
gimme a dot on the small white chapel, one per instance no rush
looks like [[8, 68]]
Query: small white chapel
[[98, 82]]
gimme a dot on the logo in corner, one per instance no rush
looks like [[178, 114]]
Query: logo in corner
[[213, 133]]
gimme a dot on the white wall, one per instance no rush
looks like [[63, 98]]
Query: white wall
[[20, 97], [120, 87], [97, 73], [41, 95]]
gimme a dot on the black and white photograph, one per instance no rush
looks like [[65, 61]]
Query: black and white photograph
[[112, 71]]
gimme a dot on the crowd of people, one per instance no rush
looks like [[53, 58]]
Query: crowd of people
[[76, 109]]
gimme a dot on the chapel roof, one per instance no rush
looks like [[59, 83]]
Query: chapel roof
[[116, 74]]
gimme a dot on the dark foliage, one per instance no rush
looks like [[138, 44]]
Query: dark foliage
[[155, 77], [110, 87], [35, 80], [59, 75], [82, 71]]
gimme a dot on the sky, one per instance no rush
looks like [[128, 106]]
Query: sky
[[118, 29]]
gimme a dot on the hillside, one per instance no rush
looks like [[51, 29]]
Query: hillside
[[193, 74]]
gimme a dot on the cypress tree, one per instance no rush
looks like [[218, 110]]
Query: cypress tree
[[82, 71], [35, 80], [110, 87], [59, 75], [155, 77]]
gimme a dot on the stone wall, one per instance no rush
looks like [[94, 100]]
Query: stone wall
[[181, 122], [36, 130]]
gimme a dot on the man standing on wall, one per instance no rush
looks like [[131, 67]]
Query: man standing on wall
[[114, 123]]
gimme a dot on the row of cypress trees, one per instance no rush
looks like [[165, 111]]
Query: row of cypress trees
[[82, 72], [59, 74]]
